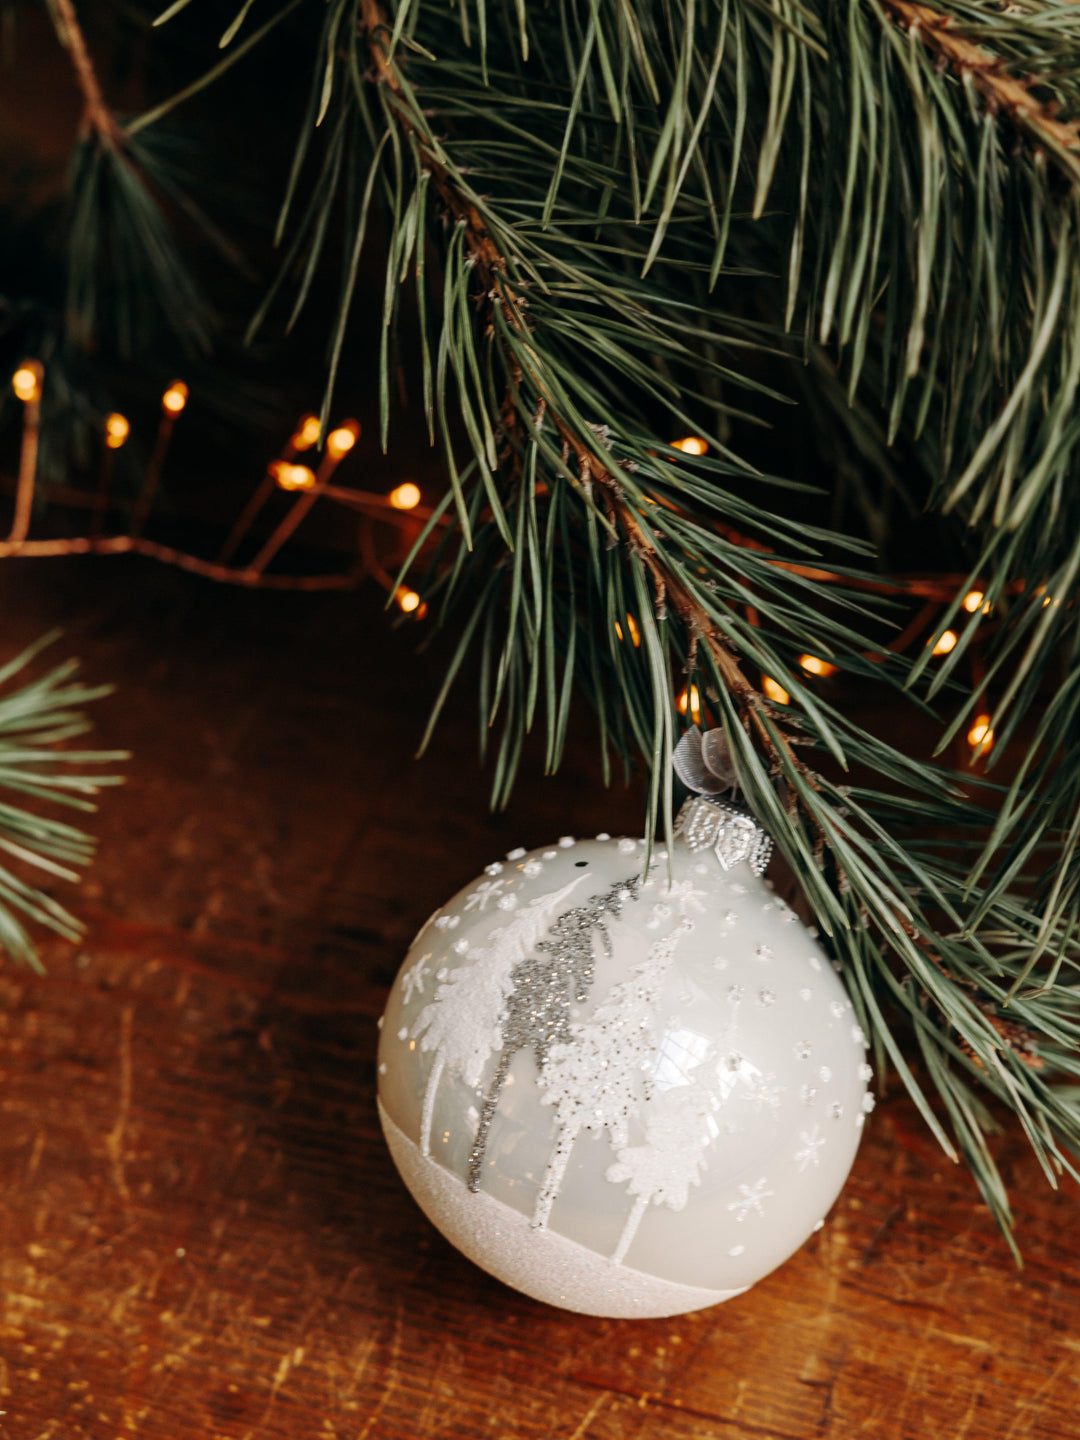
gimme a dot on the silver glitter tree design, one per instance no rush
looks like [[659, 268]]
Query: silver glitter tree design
[[463, 1024], [543, 987], [600, 1077]]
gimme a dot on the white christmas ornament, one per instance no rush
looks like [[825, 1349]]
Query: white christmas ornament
[[624, 1094]]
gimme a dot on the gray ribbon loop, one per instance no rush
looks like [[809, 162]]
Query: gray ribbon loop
[[703, 762]]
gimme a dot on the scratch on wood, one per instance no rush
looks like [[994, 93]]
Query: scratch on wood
[[914, 1369], [357, 1365], [114, 1140], [434, 1399], [391, 1376], [281, 1374], [969, 1414], [972, 1340], [1026, 1410], [591, 1414], [285, 1366], [822, 1322], [35, 1155], [880, 1234]]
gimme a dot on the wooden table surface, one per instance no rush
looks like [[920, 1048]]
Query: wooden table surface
[[202, 1234]]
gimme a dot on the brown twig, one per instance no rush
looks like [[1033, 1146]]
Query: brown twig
[[1003, 92], [97, 117]]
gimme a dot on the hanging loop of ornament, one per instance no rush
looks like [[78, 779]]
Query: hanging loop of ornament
[[729, 830]]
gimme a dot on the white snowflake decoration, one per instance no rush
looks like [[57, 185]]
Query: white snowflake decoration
[[808, 1155], [751, 1199], [485, 891], [412, 982]]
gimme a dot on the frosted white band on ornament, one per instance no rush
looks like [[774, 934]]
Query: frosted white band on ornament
[[541, 1263]]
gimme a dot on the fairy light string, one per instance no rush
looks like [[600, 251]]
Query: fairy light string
[[401, 509], [308, 478]]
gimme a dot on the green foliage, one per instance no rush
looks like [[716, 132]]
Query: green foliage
[[124, 266], [37, 718], [623, 219]]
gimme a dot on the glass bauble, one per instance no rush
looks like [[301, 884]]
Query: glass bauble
[[625, 1095]]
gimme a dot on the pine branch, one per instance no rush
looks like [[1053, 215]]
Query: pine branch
[[118, 225], [1004, 92], [618, 190], [36, 720], [492, 268]]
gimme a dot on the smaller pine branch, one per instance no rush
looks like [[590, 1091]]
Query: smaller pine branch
[[38, 720]]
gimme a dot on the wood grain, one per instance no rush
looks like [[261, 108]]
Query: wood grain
[[202, 1235]]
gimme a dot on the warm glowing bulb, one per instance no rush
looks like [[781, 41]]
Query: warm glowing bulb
[[340, 441], [689, 701], [972, 600], [980, 736], [691, 445], [117, 430], [26, 382], [409, 600], [775, 691], [632, 627], [813, 666], [307, 433], [292, 477], [404, 497], [175, 398], [945, 642]]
